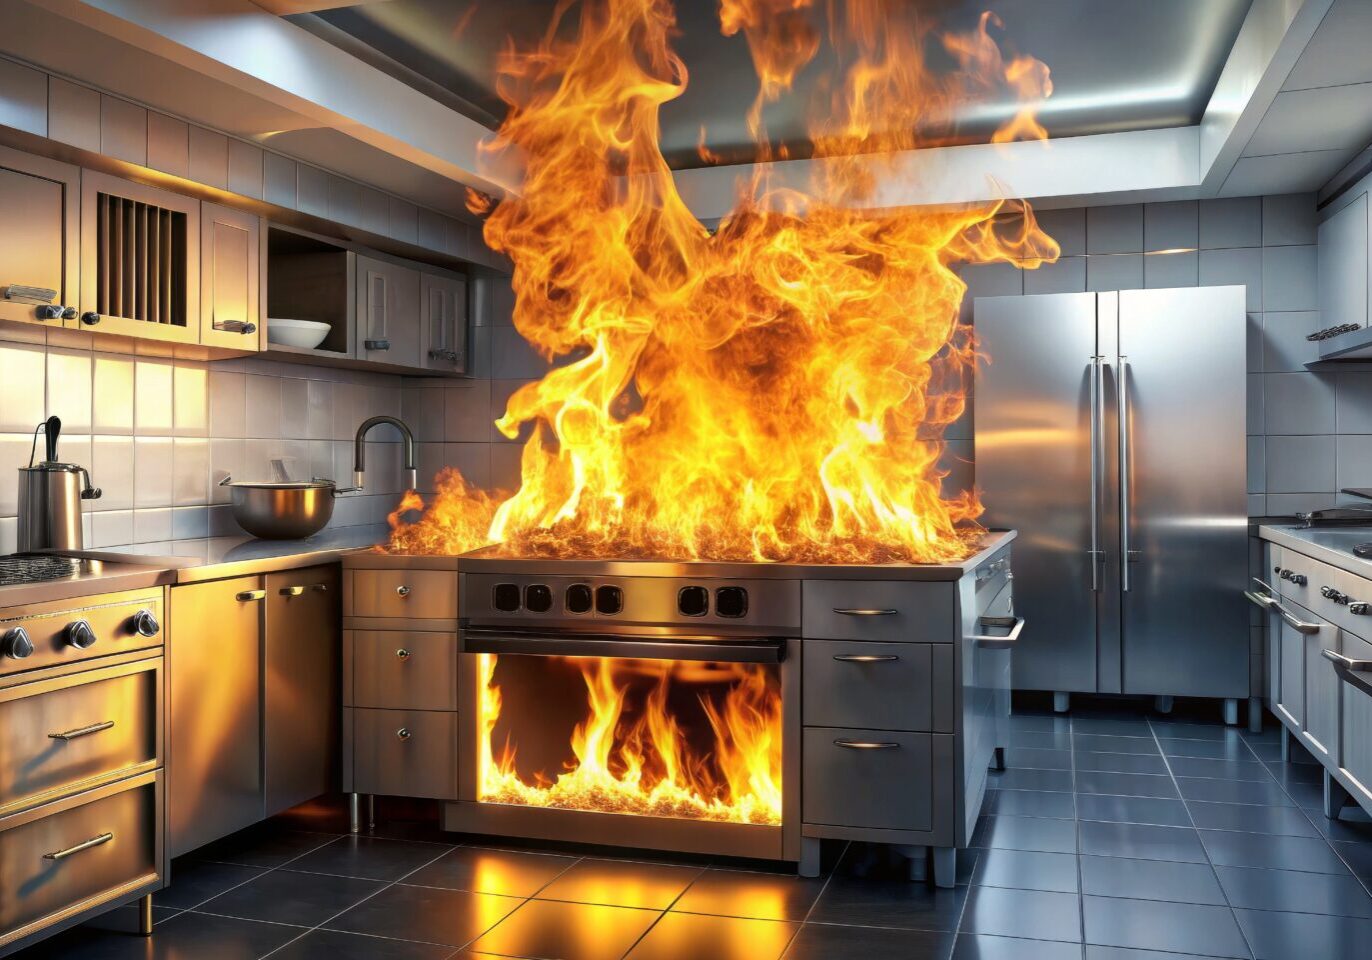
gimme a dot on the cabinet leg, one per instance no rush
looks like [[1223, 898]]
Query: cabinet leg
[[916, 860], [354, 813], [1163, 703], [945, 867], [1231, 711], [1062, 701], [998, 760], [1335, 796], [1255, 715], [1285, 744], [145, 916], [371, 813], [809, 865]]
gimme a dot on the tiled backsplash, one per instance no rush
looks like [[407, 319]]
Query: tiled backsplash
[[1309, 433]]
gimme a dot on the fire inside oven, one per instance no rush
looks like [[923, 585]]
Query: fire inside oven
[[689, 739]]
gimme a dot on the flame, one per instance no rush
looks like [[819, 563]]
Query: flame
[[630, 754], [776, 389]]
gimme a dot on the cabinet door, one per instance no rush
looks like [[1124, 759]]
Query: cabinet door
[[1290, 698], [302, 710], [215, 734], [229, 291], [387, 313], [140, 260], [1355, 725], [1343, 266], [40, 206], [443, 312], [1321, 727]]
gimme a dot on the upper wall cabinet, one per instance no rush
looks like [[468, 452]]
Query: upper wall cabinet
[[40, 210], [229, 267], [388, 327], [140, 260], [1343, 280], [443, 322]]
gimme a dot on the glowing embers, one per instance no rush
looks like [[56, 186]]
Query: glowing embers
[[659, 738]]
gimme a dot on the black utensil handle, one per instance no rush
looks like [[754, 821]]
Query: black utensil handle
[[51, 431]]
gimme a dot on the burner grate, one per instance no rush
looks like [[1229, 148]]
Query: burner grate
[[36, 568]]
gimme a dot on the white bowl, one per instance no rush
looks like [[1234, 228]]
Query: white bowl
[[307, 334]]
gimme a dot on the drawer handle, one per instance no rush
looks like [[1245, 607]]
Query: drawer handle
[[1348, 663], [85, 731], [292, 591], [865, 657], [402, 591], [989, 642], [84, 845], [246, 595], [866, 744], [403, 654], [404, 733], [866, 611], [320, 588]]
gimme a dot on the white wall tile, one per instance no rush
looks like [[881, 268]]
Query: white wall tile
[[1354, 462], [226, 461], [69, 389], [1254, 342], [1116, 229], [319, 416], [191, 471], [152, 472], [263, 395], [1289, 278], [1171, 226], [14, 453], [23, 374], [257, 458], [1299, 403], [112, 395], [1066, 275], [1284, 343], [321, 462], [1256, 403], [1288, 219], [112, 471], [228, 403], [1230, 223], [295, 408], [1257, 465], [188, 523], [190, 393], [111, 528], [1224, 267], [152, 398], [150, 526], [1300, 464], [1354, 390]]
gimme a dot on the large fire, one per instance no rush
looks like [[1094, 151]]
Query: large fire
[[630, 753], [775, 389]]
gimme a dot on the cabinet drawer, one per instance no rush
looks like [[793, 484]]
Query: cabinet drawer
[[1355, 725], [416, 594], [855, 684], [57, 735], [75, 854], [403, 669], [909, 611], [889, 787], [114, 626], [405, 753]]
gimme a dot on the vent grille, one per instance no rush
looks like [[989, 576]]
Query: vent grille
[[142, 271]]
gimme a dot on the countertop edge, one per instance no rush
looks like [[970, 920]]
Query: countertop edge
[[1287, 537]]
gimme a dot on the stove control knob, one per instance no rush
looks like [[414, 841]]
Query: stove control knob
[[693, 601], [1360, 608], [1298, 579], [578, 598], [16, 644], [505, 597], [79, 635], [609, 600], [731, 602], [145, 624], [1329, 593]]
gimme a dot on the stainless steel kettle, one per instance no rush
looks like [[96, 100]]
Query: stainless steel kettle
[[50, 495]]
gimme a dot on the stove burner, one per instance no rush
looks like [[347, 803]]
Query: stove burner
[[1363, 550], [36, 568]]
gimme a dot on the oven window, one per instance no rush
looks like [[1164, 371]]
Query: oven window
[[662, 738]]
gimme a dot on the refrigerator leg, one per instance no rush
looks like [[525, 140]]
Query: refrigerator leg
[[145, 916], [945, 867], [371, 813], [1231, 711], [354, 813], [1255, 714], [1062, 701], [809, 865], [1162, 703], [1335, 796], [1285, 744]]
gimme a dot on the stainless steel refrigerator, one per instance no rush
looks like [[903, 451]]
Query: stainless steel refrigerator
[[1110, 432]]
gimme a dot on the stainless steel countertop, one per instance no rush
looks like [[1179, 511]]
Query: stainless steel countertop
[[105, 575], [1333, 545]]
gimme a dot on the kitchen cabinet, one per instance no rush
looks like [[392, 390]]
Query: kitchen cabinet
[[1343, 264], [229, 270], [140, 260], [40, 203], [388, 326], [443, 320], [1321, 725], [1355, 725]]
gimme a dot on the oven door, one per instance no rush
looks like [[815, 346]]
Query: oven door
[[576, 643]]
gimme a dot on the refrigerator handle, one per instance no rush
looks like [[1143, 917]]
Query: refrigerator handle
[[1097, 405], [1124, 468]]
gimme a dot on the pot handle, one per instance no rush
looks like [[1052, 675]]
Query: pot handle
[[337, 490]]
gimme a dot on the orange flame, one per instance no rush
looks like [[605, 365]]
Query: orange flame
[[644, 765], [776, 389]]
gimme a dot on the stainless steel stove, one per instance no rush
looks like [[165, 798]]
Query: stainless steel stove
[[21, 568]]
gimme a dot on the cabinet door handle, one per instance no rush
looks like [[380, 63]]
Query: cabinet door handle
[[85, 731], [990, 641], [320, 588], [84, 845], [246, 595], [865, 657], [866, 744], [403, 733], [866, 611], [292, 591], [403, 654], [377, 344], [402, 591]]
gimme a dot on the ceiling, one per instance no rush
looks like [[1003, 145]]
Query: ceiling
[[1116, 64]]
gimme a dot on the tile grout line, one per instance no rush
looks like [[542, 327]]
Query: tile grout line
[[1076, 835], [815, 902]]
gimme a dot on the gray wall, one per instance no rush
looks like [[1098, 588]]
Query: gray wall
[[1309, 433]]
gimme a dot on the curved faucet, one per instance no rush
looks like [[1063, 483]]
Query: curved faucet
[[360, 452]]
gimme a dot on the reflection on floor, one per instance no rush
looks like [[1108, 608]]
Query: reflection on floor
[[1110, 834]]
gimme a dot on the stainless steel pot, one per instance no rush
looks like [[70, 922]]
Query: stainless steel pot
[[291, 510]]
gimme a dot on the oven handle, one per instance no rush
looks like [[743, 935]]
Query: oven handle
[[533, 643]]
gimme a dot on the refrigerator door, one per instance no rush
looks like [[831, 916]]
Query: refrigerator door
[[1034, 414], [1183, 491]]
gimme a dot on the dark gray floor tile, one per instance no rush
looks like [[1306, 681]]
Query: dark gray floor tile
[[1109, 726], [428, 914], [284, 897], [1234, 791], [186, 936], [1038, 758], [1156, 810], [622, 883], [1358, 856], [1173, 730], [1307, 795], [1097, 952], [1029, 779], [971, 946], [1271, 852], [265, 845], [1140, 841], [195, 881], [757, 896], [1031, 914], [1349, 828], [823, 941], [1030, 803], [1283, 936], [1207, 749], [1125, 784], [1040, 721], [1027, 870], [1251, 818], [1040, 739], [1026, 833], [1156, 925], [687, 936], [1285, 773], [370, 858], [1121, 762], [511, 873], [1098, 743], [1339, 896], [1266, 752], [889, 903], [566, 931], [1219, 769], [1150, 880], [332, 945]]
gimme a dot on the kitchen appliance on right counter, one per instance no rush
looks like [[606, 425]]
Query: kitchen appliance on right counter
[[1111, 432]]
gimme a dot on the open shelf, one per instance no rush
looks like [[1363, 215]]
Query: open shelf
[[310, 278]]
